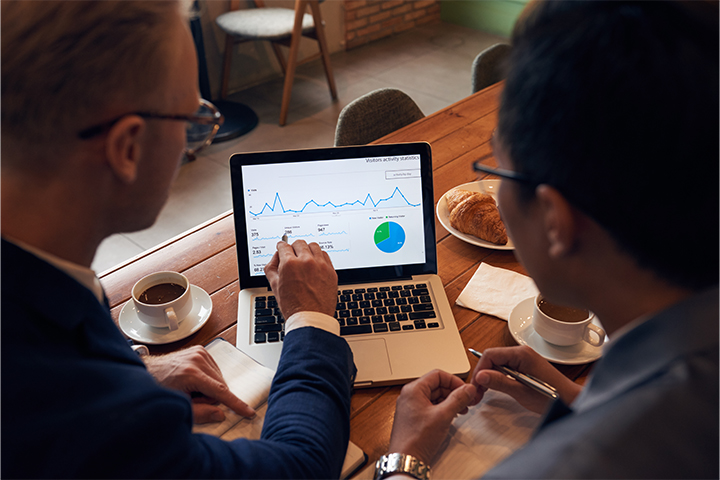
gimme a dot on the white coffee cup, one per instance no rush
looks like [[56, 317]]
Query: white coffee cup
[[163, 307], [565, 326]]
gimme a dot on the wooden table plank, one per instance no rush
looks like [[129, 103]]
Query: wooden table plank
[[448, 120], [178, 254], [455, 257]]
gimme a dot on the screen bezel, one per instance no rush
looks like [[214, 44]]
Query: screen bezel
[[346, 276]]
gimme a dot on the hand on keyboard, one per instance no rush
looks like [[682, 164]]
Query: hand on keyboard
[[303, 279]]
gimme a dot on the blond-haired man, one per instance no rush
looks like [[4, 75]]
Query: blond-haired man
[[95, 101]]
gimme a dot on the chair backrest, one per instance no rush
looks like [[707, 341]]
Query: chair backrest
[[486, 68], [374, 115]]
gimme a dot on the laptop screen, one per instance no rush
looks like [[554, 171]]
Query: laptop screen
[[370, 208]]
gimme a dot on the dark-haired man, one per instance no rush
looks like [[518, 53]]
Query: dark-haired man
[[607, 144]]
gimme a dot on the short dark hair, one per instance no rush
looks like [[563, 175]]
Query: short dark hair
[[615, 104]]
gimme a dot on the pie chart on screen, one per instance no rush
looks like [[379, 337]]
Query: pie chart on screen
[[389, 237]]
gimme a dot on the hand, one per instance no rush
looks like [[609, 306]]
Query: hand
[[424, 411], [523, 359], [303, 279], [193, 370]]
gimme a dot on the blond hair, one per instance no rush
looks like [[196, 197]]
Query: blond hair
[[66, 63]]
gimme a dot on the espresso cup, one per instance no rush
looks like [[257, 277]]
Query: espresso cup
[[162, 299], [565, 326]]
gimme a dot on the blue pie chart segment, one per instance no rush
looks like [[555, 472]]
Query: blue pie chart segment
[[389, 237]]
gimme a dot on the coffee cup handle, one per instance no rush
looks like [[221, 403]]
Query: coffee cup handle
[[598, 331], [172, 321]]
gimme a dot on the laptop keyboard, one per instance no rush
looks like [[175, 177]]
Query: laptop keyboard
[[389, 308]]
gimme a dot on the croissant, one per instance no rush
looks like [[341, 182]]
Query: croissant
[[476, 214], [454, 197]]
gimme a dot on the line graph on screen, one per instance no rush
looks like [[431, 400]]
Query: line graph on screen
[[396, 199]]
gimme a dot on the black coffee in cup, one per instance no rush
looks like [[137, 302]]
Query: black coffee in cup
[[161, 293], [564, 314]]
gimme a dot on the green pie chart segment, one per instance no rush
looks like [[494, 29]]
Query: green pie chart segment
[[389, 237]]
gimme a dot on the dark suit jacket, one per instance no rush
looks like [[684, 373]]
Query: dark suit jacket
[[78, 402]]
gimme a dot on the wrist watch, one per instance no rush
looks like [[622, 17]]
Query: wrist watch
[[401, 463]]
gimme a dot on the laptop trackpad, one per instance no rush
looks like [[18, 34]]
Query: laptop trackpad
[[371, 359]]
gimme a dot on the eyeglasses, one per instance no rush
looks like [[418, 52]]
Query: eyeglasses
[[508, 174], [201, 127]]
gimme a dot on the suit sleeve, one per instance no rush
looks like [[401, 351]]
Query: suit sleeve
[[307, 424], [309, 403]]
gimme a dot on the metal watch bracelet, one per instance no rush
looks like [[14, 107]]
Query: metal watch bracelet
[[401, 463]]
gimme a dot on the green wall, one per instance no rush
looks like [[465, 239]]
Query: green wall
[[494, 16]]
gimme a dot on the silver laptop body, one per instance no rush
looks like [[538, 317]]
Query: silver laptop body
[[371, 208]]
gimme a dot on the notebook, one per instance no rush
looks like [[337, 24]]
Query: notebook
[[372, 209]]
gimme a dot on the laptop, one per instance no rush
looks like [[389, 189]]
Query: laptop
[[371, 208]]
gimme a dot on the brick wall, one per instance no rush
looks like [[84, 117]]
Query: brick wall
[[368, 20]]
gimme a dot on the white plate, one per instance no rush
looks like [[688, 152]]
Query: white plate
[[489, 187], [520, 325], [139, 331]]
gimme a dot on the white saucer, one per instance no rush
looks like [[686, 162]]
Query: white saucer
[[483, 186], [520, 325], [139, 331]]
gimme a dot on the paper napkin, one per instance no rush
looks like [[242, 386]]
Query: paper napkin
[[496, 291]]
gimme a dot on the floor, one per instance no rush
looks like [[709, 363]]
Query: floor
[[431, 63]]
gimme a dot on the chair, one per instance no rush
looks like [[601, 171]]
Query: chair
[[280, 26], [486, 68], [374, 115]]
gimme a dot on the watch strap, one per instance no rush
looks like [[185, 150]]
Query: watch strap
[[401, 463]]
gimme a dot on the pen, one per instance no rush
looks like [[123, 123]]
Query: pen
[[284, 237], [527, 380]]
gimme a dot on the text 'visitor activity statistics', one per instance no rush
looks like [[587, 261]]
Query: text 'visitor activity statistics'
[[363, 212]]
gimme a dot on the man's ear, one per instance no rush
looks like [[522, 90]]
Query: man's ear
[[558, 220], [123, 148]]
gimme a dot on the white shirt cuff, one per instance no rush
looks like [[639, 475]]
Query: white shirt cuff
[[312, 319]]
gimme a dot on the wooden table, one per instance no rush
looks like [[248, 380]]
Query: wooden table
[[459, 135]]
